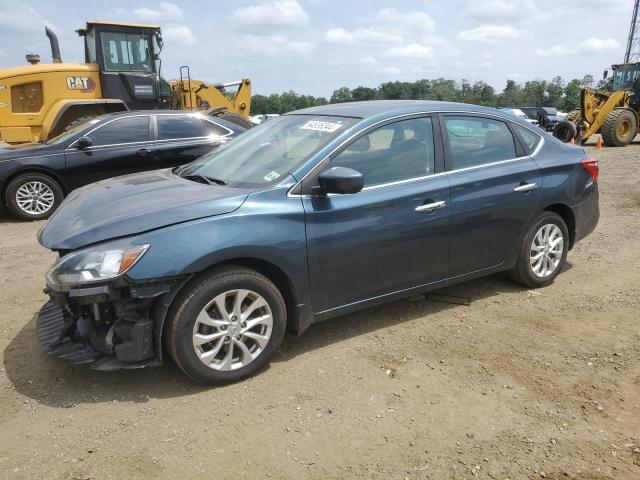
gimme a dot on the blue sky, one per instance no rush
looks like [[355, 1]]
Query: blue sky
[[316, 46]]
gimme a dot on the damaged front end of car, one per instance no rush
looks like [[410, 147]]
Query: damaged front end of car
[[97, 315]]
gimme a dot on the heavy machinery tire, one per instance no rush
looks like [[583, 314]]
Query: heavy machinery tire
[[236, 119], [33, 196], [619, 128], [565, 131]]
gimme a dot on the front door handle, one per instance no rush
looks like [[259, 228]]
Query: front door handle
[[525, 187], [431, 207], [144, 151]]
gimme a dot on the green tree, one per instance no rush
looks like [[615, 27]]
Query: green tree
[[341, 95], [555, 92], [571, 99], [363, 93]]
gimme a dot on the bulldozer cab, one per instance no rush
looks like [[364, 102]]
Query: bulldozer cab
[[128, 59], [626, 77]]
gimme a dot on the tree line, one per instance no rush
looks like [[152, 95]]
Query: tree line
[[558, 93]]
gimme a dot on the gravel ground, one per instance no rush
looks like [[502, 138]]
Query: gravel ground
[[519, 384]]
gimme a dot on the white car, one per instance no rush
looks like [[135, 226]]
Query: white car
[[519, 113]]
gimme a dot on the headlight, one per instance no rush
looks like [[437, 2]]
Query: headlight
[[94, 265]]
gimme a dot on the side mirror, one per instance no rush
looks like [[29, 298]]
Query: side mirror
[[340, 180], [84, 143]]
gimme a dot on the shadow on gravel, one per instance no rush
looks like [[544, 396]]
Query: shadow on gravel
[[57, 383]]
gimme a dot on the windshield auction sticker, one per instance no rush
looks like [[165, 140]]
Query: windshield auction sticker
[[319, 126]]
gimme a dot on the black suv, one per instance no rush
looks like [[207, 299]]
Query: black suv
[[547, 117], [34, 178]]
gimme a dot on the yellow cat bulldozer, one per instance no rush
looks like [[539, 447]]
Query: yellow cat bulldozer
[[121, 72], [615, 115]]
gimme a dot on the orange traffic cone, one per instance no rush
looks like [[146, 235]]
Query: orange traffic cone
[[599, 142], [573, 141]]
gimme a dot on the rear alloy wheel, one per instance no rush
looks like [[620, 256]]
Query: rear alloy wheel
[[543, 251], [226, 325], [619, 128], [33, 196]]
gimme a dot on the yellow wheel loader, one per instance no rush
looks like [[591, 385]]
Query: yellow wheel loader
[[615, 115], [121, 72]]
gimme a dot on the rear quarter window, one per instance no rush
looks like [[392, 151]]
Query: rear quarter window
[[528, 139]]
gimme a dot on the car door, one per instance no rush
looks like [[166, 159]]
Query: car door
[[120, 146], [392, 235], [181, 138], [495, 187]]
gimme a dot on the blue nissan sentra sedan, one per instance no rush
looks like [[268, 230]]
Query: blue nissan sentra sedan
[[309, 216]]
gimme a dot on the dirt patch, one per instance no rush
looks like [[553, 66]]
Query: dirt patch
[[520, 384]]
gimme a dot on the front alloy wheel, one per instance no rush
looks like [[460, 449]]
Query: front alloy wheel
[[33, 196], [225, 325], [232, 330]]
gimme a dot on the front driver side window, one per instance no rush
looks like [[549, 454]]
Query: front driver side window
[[393, 152]]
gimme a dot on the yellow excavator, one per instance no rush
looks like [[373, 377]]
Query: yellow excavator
[[615, 115], [121, 72]]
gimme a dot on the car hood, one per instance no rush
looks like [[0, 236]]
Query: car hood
[[132, 204], [25, 149]]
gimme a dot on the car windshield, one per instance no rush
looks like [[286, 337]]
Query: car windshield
[[67, 134], [269, 151]]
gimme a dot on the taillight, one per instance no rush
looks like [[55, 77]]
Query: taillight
[[591, 166]]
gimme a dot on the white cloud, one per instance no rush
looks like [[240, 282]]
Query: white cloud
[[418, 20], [179, 34], [391, 71], [591, 45], [503, 9], [166, 12], [341, 36], [556, 51], [594, 44], [413, 50], [369, 60], [300, 47], [275, 44], [22, 17], [280, 13], [491, 33]]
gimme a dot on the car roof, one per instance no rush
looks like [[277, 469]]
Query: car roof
[[373, 108]]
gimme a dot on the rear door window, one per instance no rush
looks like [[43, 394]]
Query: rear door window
[[179, 126], [477, 141], [121, 131]]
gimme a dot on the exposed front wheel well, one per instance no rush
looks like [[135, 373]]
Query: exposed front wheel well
[[567, 215], [273, 273]]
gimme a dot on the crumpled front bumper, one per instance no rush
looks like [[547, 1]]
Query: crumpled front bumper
[[110, 326]]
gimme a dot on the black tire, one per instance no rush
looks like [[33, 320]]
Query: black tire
[[523, 272], [189, 304], [33, 178], [619, 128], [565, 131], [236, 119]]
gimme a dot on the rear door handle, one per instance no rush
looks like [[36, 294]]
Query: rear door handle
[[431, 207], [525, 187], [144, 151]]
